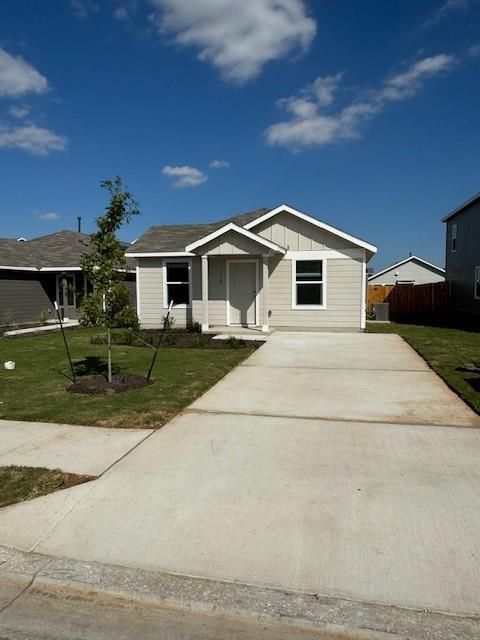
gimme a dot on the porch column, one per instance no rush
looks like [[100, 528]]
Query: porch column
[[265, 293], [204, 293]]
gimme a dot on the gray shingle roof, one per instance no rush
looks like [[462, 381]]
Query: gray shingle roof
[[172, 238], [61, 249]]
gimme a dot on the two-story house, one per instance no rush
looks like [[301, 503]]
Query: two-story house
[[463, 255]]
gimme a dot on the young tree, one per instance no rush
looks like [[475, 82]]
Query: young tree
[[105, 264]]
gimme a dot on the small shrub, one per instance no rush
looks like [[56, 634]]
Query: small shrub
[[195, 327], [168, 322], [169, 340], [122, 314], [235, 343], [43, 317], [200, 342], [8, 319]]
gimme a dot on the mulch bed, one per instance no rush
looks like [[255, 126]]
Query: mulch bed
[[99, 384], [185, 339]]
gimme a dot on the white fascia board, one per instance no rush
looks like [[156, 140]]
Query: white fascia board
[[9, 268], [60, 269], [317, 223], [231, 226], [160, 254], [330, 254], [399, 264]]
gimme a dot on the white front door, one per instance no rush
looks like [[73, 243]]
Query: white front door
[[243, 292]]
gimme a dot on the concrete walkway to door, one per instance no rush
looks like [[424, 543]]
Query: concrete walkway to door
[[335, 464]]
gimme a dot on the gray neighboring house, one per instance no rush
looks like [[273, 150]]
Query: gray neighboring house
[[463, 255], [36, 273], [268, 268], [411, 270]]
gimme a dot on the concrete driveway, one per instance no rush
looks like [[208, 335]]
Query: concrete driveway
[[334, 464]]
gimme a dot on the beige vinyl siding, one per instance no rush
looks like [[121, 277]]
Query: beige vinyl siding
[[342, 294], [217, 291], [150, 284]]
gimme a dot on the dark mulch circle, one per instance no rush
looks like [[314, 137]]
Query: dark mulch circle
[[99, 384]]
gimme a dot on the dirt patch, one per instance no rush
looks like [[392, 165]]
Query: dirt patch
[[99, 384], [24, 483]]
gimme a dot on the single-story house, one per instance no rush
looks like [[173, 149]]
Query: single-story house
[[411, 270], [267, 268], [35, 273], [462, 250]]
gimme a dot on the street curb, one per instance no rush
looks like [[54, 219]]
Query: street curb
[[324, 617]]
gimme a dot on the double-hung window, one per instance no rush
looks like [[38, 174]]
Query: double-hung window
[[454, 238], [308, 285], [177, 283], [476, 284]]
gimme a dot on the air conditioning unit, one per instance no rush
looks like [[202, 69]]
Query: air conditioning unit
[[382, 311]]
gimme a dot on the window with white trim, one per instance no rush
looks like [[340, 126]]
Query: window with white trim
[[309, 280], [476, 284], [454, 238], [177, 283]]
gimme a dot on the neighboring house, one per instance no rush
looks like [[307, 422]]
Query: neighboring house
[[411, 270], [267, 268], [35, 273], [463, 255]]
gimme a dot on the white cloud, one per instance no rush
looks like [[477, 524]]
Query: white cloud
[[48, 217], [120, 13], [185, 176], [18, 77], [219, 164], [18, 112], [237, 36], [83, 8], [444, 10], [310, 126], [35, 140]]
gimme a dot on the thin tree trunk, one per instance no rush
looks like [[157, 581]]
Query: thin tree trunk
[[109, 347]]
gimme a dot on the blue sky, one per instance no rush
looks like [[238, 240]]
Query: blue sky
[[364, 114]]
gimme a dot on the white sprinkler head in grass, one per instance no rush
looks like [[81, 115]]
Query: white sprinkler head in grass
[[9, 364]]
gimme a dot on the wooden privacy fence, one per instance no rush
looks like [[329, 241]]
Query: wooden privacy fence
[[409, 298]]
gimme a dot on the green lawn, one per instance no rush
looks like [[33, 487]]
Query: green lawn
[[24, 483], [447, 351], [36, 389]]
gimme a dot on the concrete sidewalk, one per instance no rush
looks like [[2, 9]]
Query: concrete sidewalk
[[74, 449], [294, 472]]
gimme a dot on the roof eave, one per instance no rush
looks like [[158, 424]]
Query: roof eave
[[461, 207]]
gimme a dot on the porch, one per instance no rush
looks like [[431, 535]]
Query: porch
[[235, 273]]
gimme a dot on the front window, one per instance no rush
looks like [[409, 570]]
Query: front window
[[308, 283], [477, 283], [177, 283]]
